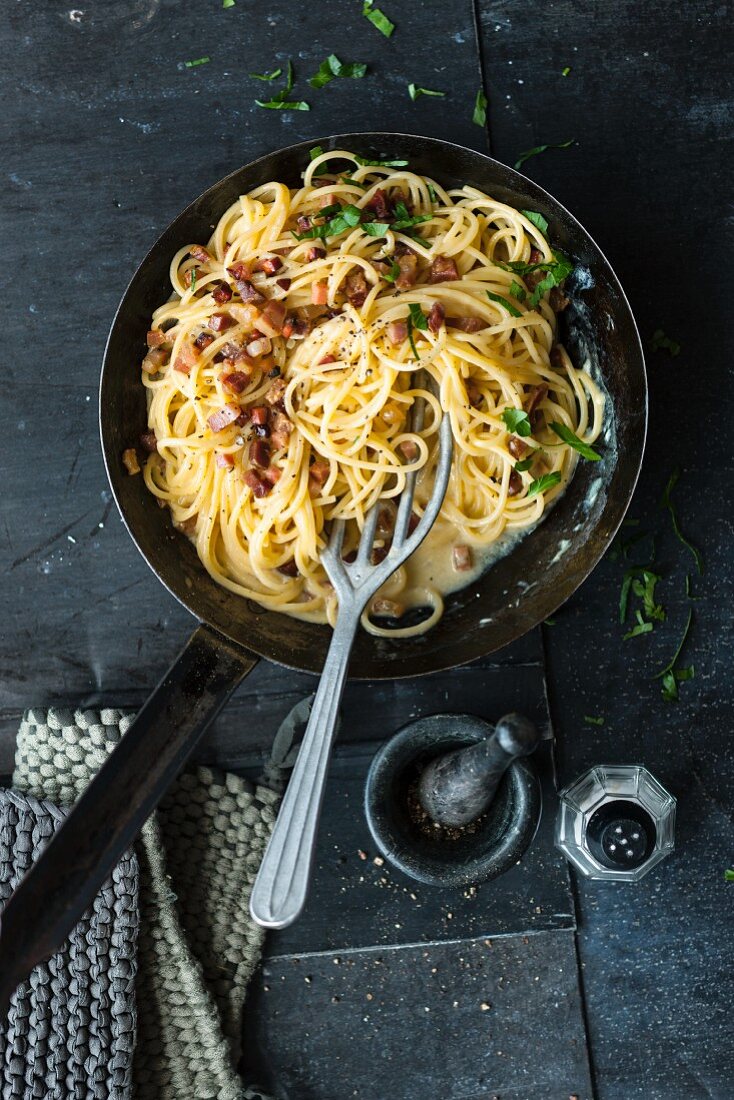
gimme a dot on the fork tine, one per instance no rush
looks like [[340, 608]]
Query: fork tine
[[405, 508], [368, 535]]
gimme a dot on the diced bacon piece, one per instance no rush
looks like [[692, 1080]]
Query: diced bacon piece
[[224, 461], [461, 558], [200, 253], [273, 474], [186, 358], [203, 340], [397, 332], [235, 381], [318, 473], [443, 270], [270, 264], [187, 526], [303, 223], [380, 205], [467, 324], [222, 293], [276, 392], [155, 338], [220, 322], [130, 460], [557, 300], [261, 346], [516, 446], [154, 360], [515, 485], [288, 568], [409, 449], [260, 453], [259, 415], [149, 442], [473, 393], [272, 318], [259, 487], [556, 357], [222, 418], [241, 275], [408, 264], [280, 431], [436, 317], [243, 418], [326, 200], [537, 394], [391, 608], [327, 359], [315, 252], [319, 294], [284, 284], [356, 288]]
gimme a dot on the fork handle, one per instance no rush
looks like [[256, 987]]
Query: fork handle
[[281, 886]]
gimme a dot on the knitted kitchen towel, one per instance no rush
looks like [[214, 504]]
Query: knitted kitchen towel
[[70, 1029], [197, 946]]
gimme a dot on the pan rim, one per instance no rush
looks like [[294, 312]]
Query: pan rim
[[442, 659]]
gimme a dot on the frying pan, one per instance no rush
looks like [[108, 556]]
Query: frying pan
[[516, 594]]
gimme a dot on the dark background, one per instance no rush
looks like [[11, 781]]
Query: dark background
[[106, 136]]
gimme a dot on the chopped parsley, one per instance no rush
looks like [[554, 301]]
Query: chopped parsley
[[525, 463], [518, 421], [266, 76], [537, 219], [566, 70], [366, 162], [518, 291], [541, 484], [432, 193], [414, 91], [540, 149], [594, 720], [513, 310], [332, 67], [280, 101], [641, 627], [641, 581], [573, 440], [393, 273], [193, 279], [416, 319], [728, 876], [662, 342], [377, 18], [479, 117], [228, 3], [196, 62], [666, 502], [672, 676], [347, 218], [557, 269]]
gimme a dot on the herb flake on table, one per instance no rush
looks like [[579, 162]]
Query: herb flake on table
[[541, 484], [666, 502], [728, 876], [479, 117], [641, 627], [266, 76], [594, 720], [537, 149], [280, 101], [228, 3], [566, 70], [661, 342], [512, 310], [377, 18], [569, 437], [196, 62], [537, 219], [517, 421], [332, 68], [415, 91], [672, 676]]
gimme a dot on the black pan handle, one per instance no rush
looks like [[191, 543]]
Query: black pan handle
[[56, 890]]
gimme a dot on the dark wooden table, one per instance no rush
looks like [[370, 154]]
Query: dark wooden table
[[107, 135]]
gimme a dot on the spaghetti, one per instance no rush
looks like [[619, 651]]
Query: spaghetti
[[282, 372]]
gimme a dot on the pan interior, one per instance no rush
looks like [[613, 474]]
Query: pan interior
[[518, 591]]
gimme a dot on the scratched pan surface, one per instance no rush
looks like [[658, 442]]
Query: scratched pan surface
[[517, 592]]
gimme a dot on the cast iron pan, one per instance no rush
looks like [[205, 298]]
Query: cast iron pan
[[515, 595]]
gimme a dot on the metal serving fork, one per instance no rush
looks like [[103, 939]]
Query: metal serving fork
[[281, 886]]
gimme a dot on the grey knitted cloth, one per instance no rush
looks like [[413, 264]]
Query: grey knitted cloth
[[198, 947], [70, 1029]]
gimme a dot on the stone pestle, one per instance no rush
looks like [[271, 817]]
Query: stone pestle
[[457, 788]]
